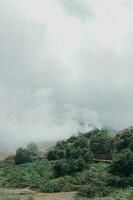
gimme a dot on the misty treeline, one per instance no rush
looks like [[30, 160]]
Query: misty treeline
[[76, 153], [71, 165], [28, 154]]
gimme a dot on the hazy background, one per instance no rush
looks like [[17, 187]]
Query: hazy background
[[65, 66]]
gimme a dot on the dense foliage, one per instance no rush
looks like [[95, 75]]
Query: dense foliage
[[72, 156], [119, 194], [23, 156], [70, 165], [28, 154]]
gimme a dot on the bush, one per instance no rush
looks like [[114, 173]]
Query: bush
[[33, 148], [52, 155], [32, 175], [58, 185], [131, 143], [101, 143], [69, 167], [119, 182], [60, 168], [94, 189], [122, 164], [123, 140], [23, 156]]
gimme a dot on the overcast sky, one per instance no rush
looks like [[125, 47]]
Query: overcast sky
[[63, 62]]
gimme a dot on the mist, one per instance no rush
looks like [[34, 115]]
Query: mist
[[65, 67]]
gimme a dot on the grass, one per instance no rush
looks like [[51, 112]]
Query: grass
[[126, 194], [14, 195], [4, 196]]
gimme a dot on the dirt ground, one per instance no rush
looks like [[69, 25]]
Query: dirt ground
[[55, 196]]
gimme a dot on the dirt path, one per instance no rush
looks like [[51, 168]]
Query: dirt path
[[55, 196]]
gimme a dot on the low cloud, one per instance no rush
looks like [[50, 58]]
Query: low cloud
[[64, 67]]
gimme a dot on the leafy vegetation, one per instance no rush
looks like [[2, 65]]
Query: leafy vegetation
[[71, 166], [14, 197], [126, 194], [26, 155], [6, 195], [23, 156], [31, 175]]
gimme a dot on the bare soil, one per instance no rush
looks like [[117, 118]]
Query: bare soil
[[55, 196]]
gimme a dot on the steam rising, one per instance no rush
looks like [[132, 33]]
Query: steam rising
[[65, 66]]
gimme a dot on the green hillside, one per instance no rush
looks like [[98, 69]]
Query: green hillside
[[96, 164]]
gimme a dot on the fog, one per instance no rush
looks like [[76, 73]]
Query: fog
[[65, 66]]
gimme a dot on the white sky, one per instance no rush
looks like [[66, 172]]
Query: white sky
[[64, 62]]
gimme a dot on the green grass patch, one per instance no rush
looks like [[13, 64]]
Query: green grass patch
[[126, 194], [14, 197]]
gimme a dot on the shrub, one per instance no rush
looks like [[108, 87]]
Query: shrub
[[32, 175], [123, 163], [52, 155], [119, 182], [101, 143], [33, 148], [123, 139], [58, 185], [131, 143], [60, 168], [94, 189], [69, 167], [23, 156]]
